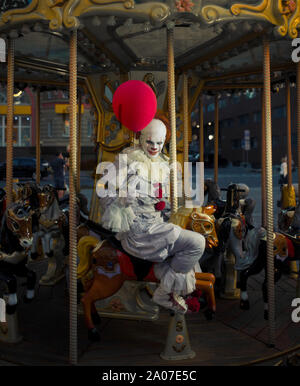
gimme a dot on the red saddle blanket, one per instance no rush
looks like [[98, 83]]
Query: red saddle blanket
[[127, 269]]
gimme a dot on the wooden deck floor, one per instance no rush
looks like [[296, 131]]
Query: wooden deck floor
[[234, 337]]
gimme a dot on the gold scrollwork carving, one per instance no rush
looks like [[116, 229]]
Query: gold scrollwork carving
[[128, 4], [55, 22], [7, 16], [69, 20], [211, 13], [282, 13], [159, 13], [236, 9]]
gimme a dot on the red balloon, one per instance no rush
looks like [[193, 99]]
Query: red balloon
[[134, 104]]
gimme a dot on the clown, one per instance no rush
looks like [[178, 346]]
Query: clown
[[139, 218]]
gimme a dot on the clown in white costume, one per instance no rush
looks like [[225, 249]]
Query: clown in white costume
[[137, 213]]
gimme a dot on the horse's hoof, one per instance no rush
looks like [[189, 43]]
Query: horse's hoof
[[94, 335], [209, 314], [11, 309], [244, 304], [266, 314], [96, 318]]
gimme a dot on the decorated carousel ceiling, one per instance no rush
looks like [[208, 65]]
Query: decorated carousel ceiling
[[212, 39]]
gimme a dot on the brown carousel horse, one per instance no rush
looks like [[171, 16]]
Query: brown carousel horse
[[104, 266]]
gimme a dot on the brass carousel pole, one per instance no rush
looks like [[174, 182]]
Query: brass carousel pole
[[298, 152], [172, 118], [72, 200], [79, 142], [38, 138], [216, 139], [298, 124], [9, 120], [201, 130], [185, 130], [269, 191], [177, 318], [263, 163], [288, 129], [291, 192]]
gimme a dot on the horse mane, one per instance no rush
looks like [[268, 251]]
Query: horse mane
[[8, 241], [213, 190]]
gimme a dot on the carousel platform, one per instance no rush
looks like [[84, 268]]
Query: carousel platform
[[233, 337]]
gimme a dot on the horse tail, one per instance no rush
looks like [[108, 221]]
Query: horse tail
[[84, 248]]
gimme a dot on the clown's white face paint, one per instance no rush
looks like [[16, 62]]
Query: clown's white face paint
[[153, 137]]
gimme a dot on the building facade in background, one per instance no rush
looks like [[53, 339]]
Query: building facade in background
[[240, 123], [54, 125]]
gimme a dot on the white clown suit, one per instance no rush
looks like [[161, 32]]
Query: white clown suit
[[142, 176]]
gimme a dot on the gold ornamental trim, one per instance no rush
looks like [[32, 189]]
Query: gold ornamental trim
[[284, 14], [67, 13], [37, 10]]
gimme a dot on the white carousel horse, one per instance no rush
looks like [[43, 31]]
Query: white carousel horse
[[49, 233]]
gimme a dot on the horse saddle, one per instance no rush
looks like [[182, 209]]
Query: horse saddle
[[131, 266]]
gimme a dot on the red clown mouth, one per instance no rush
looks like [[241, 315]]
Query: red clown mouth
[[151, 152]]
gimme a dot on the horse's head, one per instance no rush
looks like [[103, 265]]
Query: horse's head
[[231, 233], [19, 222], [280, 245], [46, 196], [205, 224]]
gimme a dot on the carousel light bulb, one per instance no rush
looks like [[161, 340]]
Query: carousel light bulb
[[210, 137], [128, 22], [209, 123], [147, 26], [111, 21], [96, 21]]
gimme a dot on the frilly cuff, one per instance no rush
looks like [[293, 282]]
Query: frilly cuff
[[118, 219], [171, 281]]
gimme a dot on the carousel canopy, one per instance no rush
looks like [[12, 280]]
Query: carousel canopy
[[218, 41]]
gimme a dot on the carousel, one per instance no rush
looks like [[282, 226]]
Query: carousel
[[168, 56]]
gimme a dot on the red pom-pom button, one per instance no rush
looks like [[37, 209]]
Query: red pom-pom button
[[160, 205]]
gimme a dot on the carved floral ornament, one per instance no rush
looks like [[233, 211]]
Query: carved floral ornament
[[284, 14], [66, 13]]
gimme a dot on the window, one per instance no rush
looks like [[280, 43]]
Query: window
[[253, 142], [66, 131], [279, 112], [222, 103], [275, 140], [257, 116], [90, 128], [108, 93], [244, 119], [236, 143], [21, 130], [211, 107], [50, 125], [2, 129], [226, 123]]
